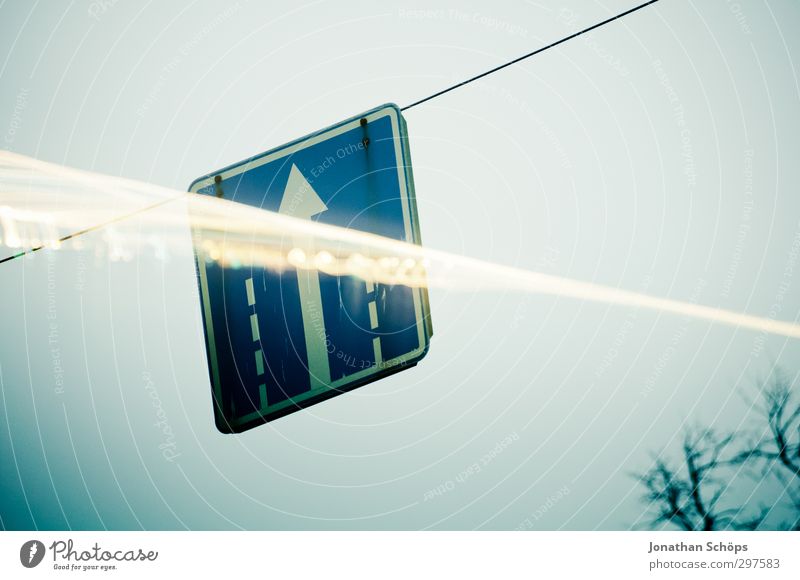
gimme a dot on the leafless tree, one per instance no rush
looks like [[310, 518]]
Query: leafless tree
[[776, 449], [689, 494]]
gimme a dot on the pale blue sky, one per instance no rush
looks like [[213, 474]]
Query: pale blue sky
[[658, 154]]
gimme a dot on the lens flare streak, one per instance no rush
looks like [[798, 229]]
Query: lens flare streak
[[41, 203]]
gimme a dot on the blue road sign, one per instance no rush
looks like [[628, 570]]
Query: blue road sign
[[281, 341]]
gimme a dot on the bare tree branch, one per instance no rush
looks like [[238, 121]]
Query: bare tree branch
[[689, 496]]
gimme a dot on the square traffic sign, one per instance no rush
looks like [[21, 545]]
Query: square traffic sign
[[280, 341]]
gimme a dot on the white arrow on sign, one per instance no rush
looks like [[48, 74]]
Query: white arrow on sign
[[300, 200]]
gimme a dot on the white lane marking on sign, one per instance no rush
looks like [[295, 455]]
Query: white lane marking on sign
[[376, 342], [376, 348], [373, 315], [259, 362], [254, 327], [259, 354], [251, 295]]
